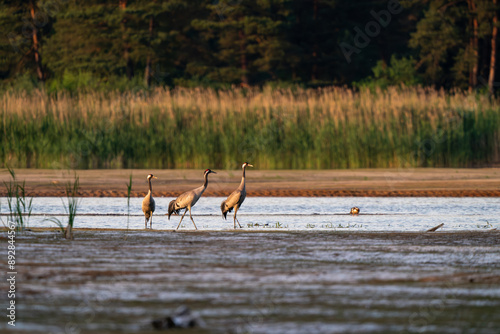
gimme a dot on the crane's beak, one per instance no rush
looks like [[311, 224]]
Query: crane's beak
[[213, 172], [250, 165], [154, 177]]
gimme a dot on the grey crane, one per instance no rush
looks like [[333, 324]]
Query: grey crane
[[148, 204], [236, 198], [188, 199]]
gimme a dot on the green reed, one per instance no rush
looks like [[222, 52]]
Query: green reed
[[276, 129], [70, 206], [18, 203]]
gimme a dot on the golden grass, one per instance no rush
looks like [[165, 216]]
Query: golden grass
[[337, 102]]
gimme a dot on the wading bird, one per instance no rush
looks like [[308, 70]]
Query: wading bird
[[148, 204], [235, 200], [188, 200]]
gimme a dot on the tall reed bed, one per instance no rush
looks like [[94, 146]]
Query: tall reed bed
[[290, 128]]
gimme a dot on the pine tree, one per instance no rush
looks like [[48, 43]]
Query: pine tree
[[247, 42], [244, 39], [87, 39], [24, 24], [454, 39], [156, 26]]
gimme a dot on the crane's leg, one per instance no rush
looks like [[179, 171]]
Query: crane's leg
[[151, 221], [192, 219], [145, 222], [182, 218], [236, 219]]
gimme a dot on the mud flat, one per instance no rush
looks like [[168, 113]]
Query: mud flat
[[114, 281]]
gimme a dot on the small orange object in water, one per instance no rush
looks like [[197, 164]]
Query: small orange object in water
[[354, 210]]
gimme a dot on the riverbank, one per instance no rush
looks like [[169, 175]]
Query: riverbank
[[411, 182]]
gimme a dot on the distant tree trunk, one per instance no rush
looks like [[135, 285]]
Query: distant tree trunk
[[36, 45], [148, 71], [243, 59], [314, 70], [474, 44], [494, 33], [126, 46]]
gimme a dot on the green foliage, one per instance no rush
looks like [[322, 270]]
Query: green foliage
[[399, 72], [23, 83], [73, 82]]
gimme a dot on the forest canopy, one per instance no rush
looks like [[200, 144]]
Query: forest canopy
[[70, 44]]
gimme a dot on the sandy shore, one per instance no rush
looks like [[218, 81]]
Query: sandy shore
[[428, 182]]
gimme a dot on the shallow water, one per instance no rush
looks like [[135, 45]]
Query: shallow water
[[290, 213]]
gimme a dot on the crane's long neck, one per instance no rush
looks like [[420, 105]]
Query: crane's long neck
[[206, 181], [242, 184], [150, 186]]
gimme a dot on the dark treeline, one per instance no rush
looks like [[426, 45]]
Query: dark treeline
[[73, 43]]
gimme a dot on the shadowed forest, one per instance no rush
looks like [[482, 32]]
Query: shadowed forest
[[125, 44], [285, 84]]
